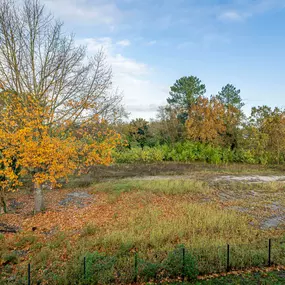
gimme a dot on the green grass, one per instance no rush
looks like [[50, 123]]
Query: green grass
[[89, 230], [153, 217], [26, 240], [156, 186], [190, 224]]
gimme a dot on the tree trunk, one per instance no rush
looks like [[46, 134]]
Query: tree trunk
[[1, 209], [3, 204], [38, 194]]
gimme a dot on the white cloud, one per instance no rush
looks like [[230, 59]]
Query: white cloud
[[151, 43], [231, 16], [85, 12], [120, 64], [240, 10], [143, 108], [132, 77], [123, 65], [124, 43]]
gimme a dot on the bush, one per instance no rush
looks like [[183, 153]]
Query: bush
[[192, 151], [184, 152], [175, 267], [100, 269], [89, 230], [10, 258], [139, 155], [26, 240], [148, 270]]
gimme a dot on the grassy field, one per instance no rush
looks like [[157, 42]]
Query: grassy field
[[116, 211]]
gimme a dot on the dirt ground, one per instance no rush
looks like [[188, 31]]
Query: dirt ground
[[253, 190], [243, 199]]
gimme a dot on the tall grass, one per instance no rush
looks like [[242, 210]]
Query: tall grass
[[156, 186], [151, 217], [192, 224], [154, 231]]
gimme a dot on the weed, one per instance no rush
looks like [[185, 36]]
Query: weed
[[175, 266], [164, 186], [89, 230], [152, 217], [188, 223], [26, 240], [42, 257], [58, 241], [148, 270], [10, 258], [100, 269]]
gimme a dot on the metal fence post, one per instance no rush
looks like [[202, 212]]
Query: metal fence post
[[183, 263], [269, 252], [228, 258], [84, 267], [136, 268], [29, 274]]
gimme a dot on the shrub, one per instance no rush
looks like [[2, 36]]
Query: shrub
[[189, 151], [175, 267], [26, 240], [100, 269], [89, 230], [148, 270], [136, 154], [10, 258]]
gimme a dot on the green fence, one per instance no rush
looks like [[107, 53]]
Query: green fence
[[180, 263]]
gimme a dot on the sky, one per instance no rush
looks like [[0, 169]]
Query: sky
[[152, 43]]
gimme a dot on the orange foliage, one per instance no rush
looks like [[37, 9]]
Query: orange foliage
[[206, 120], [47, 151]]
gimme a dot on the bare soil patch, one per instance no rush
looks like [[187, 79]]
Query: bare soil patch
[[251, 178]]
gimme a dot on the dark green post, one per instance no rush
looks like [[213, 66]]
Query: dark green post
[[183, 263], [228, 258], [84, 267], [136, 268], [29, 274], [269, 252]]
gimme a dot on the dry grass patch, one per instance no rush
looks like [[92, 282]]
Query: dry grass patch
[[161, 226], [160, 186]]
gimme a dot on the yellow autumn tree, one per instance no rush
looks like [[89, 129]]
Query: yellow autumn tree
[[44, 151], [206, 120], [50, 91], [274, 127], [9, 169]]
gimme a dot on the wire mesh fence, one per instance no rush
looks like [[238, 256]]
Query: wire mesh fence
[[180, 263]]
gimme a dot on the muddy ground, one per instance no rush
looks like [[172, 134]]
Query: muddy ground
[[250, 189], [257, 191]]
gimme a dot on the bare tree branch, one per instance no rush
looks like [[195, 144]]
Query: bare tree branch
[[36, 57]]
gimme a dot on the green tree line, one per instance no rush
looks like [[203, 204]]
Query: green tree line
[[194, 127]]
